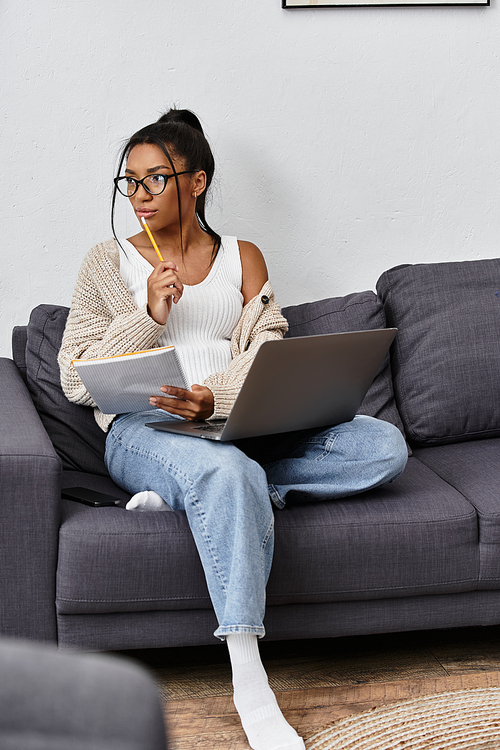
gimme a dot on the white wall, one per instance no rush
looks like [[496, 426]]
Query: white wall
[[347, 140]]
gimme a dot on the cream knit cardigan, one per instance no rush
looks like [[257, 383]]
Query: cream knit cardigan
[[104, 321]]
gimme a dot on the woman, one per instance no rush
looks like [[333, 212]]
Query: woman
[[212, 299]]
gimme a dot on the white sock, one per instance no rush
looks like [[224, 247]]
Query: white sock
[[265, 726], [147, 500]]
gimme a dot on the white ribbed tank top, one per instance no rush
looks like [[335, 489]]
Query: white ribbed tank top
[[201, 324]]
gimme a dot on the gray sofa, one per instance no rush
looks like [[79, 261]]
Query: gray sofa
[[59, 700], [422, 552]]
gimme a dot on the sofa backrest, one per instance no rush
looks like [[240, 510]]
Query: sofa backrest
[[446, 356], [78, 440], [19, 337]]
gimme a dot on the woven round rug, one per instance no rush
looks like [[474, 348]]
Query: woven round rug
[[461, 720]]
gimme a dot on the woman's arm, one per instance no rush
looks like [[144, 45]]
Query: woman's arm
[[254, 270], [261, 320], [103, 320]]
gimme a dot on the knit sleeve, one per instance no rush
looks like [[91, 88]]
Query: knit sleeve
[[103, 321], [261, 320]]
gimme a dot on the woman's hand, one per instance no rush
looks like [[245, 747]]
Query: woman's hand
[[194, 405], [164, 288]]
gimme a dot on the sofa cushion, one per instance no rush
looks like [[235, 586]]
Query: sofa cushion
[[473, 469], [413, 537], [446, 357], [360, 311], [114, 560], [77, 439], [19, 336]]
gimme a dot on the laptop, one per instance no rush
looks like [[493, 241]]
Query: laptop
[[298, 383]]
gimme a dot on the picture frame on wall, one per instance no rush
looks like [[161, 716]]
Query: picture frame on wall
[[374, 3]]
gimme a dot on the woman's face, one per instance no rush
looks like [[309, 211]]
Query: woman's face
[[160, 211]]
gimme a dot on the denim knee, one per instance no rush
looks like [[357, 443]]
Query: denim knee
[[392, 448]]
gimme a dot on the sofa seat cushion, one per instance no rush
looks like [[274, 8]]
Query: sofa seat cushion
[[114, 560], [473, 469], [446, 357], [361, 311], [415, 536]]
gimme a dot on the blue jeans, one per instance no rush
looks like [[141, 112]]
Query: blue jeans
[[225, 491]]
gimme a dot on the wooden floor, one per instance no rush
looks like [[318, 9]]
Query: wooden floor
[[212, 724], [318, 681]]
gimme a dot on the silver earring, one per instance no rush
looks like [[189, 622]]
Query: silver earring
[[195, 196]]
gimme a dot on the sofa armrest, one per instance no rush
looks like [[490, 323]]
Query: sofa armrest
[[53, 699], [30, 482]]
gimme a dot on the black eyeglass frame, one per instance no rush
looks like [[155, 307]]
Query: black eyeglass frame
[[117, 180]]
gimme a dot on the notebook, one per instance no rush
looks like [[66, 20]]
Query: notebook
[[298, 383], [124, 383]]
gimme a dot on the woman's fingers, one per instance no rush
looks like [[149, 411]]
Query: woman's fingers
[[167, 275], [164, 287], [194, 405]]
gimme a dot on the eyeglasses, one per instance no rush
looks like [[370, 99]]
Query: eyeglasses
[[154, 184]]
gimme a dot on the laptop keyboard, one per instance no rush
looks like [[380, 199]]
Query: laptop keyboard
[[210, 427]]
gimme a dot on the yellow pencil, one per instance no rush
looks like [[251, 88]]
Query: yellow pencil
[[148, 231]]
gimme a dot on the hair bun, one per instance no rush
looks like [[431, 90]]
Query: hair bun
[[181, 115]]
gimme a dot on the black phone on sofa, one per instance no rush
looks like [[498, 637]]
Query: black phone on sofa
[[89, 497]]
